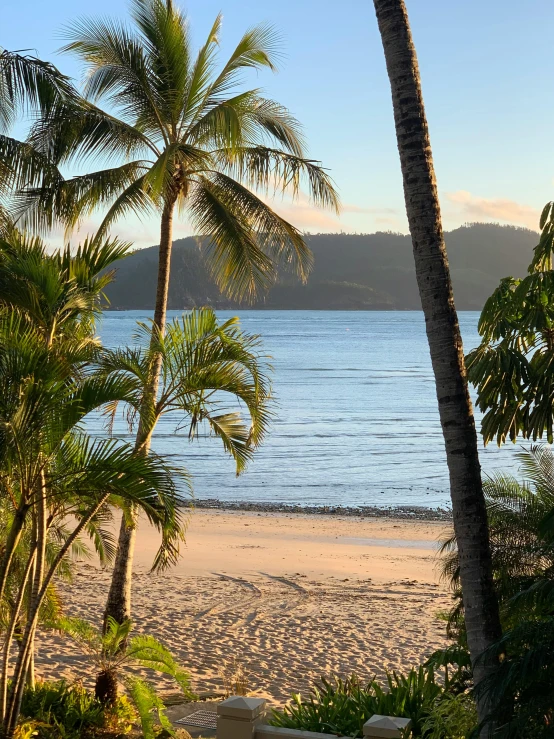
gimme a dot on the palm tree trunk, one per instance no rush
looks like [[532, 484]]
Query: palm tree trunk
[[13, 707], [443, 333], [118, 605]]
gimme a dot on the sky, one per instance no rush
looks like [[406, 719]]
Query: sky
[[487, 83]]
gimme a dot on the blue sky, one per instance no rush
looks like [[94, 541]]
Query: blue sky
[[487, 82]]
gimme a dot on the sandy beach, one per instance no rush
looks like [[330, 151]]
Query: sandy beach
[[291, 597]]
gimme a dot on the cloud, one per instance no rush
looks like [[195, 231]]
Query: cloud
[[351, 208], [474, 208]]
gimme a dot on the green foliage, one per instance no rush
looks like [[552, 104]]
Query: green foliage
[[205, 366], [149, 707], [456, 663], [56, 481], [27, 86], [180, 133], [521, 525], [452, 717], [114, 651], [342, 706], [115, 648], [67, 711], [513, 367]]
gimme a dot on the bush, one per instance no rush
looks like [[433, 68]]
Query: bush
[[343, 706], [58, 710], [452, 717]]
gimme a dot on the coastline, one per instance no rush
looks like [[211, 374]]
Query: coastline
[[402, 513]]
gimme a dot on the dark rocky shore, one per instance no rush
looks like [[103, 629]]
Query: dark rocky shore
[[415, 513]]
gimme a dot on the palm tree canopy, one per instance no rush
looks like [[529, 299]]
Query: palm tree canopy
[[50, 383], [27, 86], [185, 134], [207, 369]]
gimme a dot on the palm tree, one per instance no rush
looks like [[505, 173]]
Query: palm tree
[[207, 370], [27, 84], [113, 650], [521, 516], [187, 138], [50, 469], [443, 334]]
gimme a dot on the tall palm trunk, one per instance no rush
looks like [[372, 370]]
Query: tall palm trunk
[[118, 605], [443, 334]]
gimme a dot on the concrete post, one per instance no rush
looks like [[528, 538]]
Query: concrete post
[[237, 717], [386, 727]]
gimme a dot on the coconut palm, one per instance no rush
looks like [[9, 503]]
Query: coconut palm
[[27, 85], [443, 333], [189, 139]]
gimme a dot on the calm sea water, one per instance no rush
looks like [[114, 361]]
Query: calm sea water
[[357, 420]]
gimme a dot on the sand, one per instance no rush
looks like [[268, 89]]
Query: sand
[[290, 597]]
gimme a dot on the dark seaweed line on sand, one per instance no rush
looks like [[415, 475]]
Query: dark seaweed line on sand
[[420, 513]]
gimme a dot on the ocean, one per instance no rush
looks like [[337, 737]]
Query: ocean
[[356, 414]]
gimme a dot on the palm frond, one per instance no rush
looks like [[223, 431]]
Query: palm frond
[[29, 84]]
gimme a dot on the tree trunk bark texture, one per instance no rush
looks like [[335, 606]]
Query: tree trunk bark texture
[[118, 605], [443, 333]]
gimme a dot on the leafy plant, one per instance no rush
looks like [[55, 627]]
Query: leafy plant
[[513, 367], [521, 524], [59, 710], [55, 479], [113, 652], [342, 706], [452, 717]]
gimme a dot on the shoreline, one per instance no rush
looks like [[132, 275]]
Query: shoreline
[[290, 597], [401, 513]]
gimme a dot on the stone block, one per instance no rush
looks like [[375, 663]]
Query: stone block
[[238, 706], [386, 727]]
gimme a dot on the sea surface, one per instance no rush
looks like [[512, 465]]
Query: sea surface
[[356, 413]]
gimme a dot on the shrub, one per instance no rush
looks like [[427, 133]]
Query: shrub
[[343, 706], [452, 717], [58, 710]]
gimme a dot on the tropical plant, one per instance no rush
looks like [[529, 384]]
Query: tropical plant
[[513, 367], [208, 370], [343, 706], [51, 470], [443, 334], [113, 651], [521, 516], [27, 85], [188, 137], [452, 717], [17, 603], [59, 710]]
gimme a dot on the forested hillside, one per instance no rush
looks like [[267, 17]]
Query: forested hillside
[[351, 272]]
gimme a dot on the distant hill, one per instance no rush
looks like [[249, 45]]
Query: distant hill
[[351, 272]]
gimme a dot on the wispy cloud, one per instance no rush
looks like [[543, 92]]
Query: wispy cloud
[[473, 208], [351, 208]]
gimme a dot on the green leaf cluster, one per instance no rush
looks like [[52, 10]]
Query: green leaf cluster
[[342, 706], [183, 134], [513, 367], [521, 527]]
